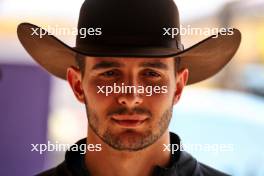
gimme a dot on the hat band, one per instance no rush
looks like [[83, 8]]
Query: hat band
[[128, 42]]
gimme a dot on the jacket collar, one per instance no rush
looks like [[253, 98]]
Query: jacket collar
[[182, 163]]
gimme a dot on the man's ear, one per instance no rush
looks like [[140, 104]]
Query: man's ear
[[75, 80], [181, 81]]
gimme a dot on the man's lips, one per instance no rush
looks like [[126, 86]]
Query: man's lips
[[129, 120], [129, 117]]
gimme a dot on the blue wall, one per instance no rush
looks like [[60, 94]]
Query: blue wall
[[24, 101]]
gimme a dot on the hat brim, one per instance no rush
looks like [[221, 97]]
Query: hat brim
[[203, 60]]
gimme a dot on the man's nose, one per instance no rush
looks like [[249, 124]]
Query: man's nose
[[130, 100], [131, 97]]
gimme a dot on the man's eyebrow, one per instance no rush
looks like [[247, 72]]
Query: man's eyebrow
[[156, 64], [106, 64]]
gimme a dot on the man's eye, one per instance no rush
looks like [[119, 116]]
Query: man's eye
[[110, 73], [151, 74]]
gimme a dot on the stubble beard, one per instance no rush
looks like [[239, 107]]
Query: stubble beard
[[132, 141]]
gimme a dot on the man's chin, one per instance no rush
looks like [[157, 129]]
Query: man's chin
[[131, 136], [129, 140]]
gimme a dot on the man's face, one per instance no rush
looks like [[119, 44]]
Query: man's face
[[132, 120]]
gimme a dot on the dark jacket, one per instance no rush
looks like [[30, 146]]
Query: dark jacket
[[182, 164]]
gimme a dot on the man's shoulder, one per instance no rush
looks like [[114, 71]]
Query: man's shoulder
[[59, 170], [188, 165], [206, 170]]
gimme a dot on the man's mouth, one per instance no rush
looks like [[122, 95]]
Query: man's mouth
[[130, 121]]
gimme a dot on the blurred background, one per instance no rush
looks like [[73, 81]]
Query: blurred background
[[226, 109]]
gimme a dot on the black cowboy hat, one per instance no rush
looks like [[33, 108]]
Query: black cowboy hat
[[130, 28]]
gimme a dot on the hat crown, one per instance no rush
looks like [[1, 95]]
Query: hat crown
[[136, 23]]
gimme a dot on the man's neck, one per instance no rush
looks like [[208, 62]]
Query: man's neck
[[111, 162]]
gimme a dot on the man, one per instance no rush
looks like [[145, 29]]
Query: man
[[135, 47]]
